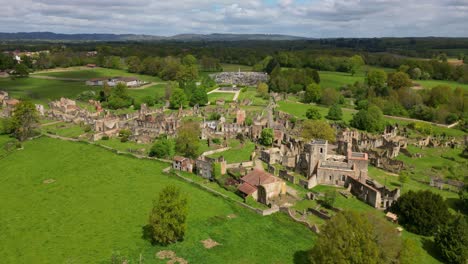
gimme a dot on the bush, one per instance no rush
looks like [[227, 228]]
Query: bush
[[105, 137], [335, 113], [163, 148], [421, 212], [313, 114]]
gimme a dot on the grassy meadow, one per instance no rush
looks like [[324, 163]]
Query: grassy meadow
[[42, 91], [88, 73], [99, 203]]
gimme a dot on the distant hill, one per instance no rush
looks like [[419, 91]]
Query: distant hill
[[50, 36]]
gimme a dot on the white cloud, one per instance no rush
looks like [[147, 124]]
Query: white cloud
[[312, 18]]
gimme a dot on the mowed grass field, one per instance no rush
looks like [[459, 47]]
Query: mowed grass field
[[337, 80], [100, 202], [42, 91], [45, 90], [85, 73]]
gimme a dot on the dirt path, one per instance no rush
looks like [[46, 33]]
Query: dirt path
[[51, 123]]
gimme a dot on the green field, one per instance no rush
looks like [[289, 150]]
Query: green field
[[80, 73], [100, 202], [42, 91], [238, 153], [339, 79], [299, 110], [436, 162], [212, 97]]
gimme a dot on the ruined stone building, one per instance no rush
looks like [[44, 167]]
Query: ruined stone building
[[381, 149], [349, 171], [205, 166], [182, 164], [262, 186]]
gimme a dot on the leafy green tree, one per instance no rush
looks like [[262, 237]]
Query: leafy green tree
[[168, 217], [415, 73], [199, 96], [187, 140], [352, 237], [134, 64], [370, 119], [331, 96], [313, 93], [24, 120], [377, 79], [335, 112], [421, 212], [20, 70], [313, 114], [318, 129], [119, 97], [262, 90], [178, 99], [399, 80], [266, 137], [164, 148], [355, 63], [452, 240]]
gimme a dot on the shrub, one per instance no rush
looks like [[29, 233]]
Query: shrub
[[421, 212], [105, 137]]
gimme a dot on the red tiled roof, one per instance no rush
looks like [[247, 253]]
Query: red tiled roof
[[247, 188], [178, 158], [258, 177]]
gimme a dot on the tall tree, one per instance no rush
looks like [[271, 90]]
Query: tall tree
[[168, 216], [187, 140], [178, 99], [262, 89], [20, 70], [452, 240], [24, 120], [313, 93], [376, 80], [318, 129], [335, 112], [370, 119], [421, 212], [199, 97], [355, 63], [399, 80], [351, 237]]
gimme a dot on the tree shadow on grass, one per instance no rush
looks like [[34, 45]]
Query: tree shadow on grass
[[146, 233], [300, 257], [430, 247]]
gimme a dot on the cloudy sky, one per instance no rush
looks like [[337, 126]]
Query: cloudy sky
[[310, 18]]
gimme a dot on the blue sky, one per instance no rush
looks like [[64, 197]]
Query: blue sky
[[310, 18]]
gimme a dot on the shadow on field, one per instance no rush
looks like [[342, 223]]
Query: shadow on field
[[300, 257], [146, 233], [431, 248], [456, 205]]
